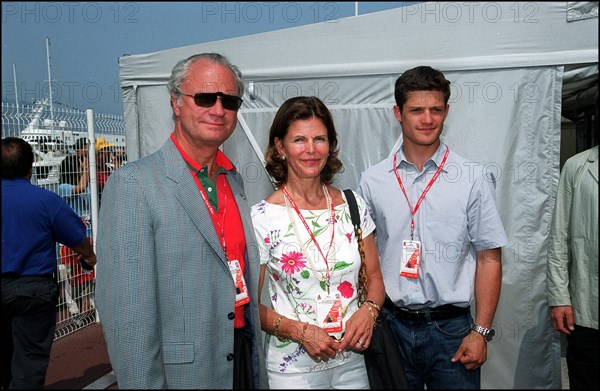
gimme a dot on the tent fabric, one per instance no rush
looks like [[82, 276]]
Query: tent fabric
[[508, 64]]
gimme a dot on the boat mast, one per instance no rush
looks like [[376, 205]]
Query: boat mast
[[16, 90], [50, 83]]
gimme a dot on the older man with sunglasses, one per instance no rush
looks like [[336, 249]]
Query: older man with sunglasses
[[177, 291]]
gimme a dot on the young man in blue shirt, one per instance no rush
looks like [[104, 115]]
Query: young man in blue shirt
[[431, 226]]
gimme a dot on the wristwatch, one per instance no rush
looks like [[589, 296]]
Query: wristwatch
[[488, 334]]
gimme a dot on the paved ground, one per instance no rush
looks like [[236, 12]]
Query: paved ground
[[79, 360]]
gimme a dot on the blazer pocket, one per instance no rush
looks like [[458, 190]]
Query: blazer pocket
[[176, 353]]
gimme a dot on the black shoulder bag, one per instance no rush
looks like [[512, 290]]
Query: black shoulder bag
[[384, 362]]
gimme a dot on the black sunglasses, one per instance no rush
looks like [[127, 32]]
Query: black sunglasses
[[208, 99]]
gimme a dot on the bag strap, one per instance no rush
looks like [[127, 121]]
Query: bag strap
[[354, 214], [355, 217]]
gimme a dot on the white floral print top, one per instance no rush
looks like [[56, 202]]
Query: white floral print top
[[296, 276]]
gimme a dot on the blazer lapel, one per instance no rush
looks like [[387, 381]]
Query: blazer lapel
[[189, 196]]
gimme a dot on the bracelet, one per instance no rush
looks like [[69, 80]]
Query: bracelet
[[372, 314], [302, 335], [276, 329], [371, 302]]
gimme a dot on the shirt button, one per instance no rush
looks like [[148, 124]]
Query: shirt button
[[209, 189], [230, 357], [231, 315]]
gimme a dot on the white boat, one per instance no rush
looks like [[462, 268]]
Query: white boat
[[52, 136], [49, 139], [46, 170], [54, 140]]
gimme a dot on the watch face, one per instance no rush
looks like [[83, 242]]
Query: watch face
[[490, 334]]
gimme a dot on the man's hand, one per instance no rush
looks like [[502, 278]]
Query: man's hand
[[562, 318], [472, 352]]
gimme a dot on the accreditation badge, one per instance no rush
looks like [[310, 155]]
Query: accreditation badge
[[411, 258], [241, 290], [329, 312]]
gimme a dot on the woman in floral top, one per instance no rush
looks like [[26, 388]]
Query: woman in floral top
[[309, 254]]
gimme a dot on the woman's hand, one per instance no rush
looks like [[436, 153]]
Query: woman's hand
[[359, 330], [318, 344]]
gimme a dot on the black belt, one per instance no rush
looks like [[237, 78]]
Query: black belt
[[447, 311]]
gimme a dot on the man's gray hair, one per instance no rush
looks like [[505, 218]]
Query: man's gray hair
[[180, 71]]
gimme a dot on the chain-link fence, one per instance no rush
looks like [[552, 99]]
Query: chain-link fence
[[60, 139]]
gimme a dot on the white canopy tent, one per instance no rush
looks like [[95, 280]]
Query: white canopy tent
[[508, 63]]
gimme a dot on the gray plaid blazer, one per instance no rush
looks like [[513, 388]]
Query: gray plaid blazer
[[164, 292]]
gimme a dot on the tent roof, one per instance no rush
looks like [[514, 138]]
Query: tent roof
[[445, 35]]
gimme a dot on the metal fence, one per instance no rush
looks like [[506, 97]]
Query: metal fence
[[53, 131]]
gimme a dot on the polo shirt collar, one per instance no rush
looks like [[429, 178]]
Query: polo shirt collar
[[223, 163]]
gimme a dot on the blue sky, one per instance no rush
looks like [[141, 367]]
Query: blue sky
[[87, 39]]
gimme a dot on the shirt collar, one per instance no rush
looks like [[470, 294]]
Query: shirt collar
[[223, 163], [436, 158]]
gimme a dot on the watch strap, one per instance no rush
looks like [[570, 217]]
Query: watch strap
[[487, 333]]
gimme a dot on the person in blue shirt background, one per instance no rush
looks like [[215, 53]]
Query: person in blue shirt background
[[74, 180], [75, 189], [33, 220]]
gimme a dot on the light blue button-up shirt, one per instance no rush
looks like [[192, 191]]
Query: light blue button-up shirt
[[457, 218]]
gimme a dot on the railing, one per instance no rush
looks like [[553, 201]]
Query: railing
[[61, 123], [53, 135]]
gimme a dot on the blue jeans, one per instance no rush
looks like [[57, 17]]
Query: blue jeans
[[427, 348]]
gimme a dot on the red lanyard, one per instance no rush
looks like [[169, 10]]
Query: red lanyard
[[312, 236], [431, 182], [213, 214]]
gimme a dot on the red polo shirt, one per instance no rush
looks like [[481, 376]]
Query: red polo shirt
[[225, 214]]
